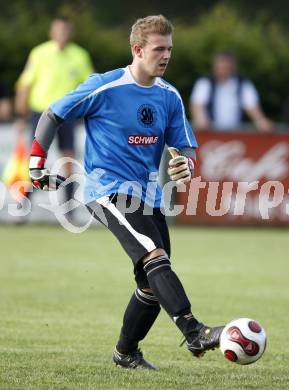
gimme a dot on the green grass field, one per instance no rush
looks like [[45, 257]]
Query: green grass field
[[62, 298]]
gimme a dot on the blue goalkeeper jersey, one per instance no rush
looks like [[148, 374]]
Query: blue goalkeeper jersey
[[127, 126]]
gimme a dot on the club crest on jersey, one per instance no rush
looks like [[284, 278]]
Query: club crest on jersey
[[142, 140], [146, 115]]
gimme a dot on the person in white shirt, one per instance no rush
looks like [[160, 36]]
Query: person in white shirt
[[217, 102]]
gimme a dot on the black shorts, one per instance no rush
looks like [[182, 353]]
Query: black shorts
[[137, 232], [65, 134]]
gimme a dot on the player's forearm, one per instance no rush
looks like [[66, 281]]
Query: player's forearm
[[46, 129], [189, 153], [40, 176]]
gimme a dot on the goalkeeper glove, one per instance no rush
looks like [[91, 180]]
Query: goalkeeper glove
[[41, 177], [181, 169]]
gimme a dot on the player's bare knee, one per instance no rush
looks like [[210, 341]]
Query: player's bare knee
[[154, 253]]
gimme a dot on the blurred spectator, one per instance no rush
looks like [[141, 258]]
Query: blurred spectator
[[53, 69], [217, 102], [5, 104]]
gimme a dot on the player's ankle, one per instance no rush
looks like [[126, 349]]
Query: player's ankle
[[125, 346], [187, 324]]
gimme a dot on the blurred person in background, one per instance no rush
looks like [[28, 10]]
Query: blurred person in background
[[218, 101], [53, 69], [5, 104]]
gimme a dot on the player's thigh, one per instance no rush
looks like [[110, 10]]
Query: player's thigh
[[162, 226], [137, 233]]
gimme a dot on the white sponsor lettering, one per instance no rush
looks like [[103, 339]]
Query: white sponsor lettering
[[142, 139], [227, 160]]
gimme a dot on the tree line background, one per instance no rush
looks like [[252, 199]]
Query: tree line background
[[256, 32]]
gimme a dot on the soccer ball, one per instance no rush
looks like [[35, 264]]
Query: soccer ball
[[243, 341]]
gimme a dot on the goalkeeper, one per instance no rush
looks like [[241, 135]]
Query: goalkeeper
[[130, 114]]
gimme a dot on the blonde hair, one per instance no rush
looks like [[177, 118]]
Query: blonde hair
[[156, 24]]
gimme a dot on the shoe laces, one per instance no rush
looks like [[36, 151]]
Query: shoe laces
[[195, 331], [185, 338]]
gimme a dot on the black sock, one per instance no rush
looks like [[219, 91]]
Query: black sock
[[187, 324], [140, 314], [69, 191], [170, 293]]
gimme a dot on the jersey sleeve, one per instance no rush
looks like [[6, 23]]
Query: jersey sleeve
[[200, 92], [249, 95], [179, 133], [29, 73], [81, 102]]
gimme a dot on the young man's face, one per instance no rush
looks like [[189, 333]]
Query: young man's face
[[155, 54]]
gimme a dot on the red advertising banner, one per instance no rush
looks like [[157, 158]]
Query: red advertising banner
[[241, 178]]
